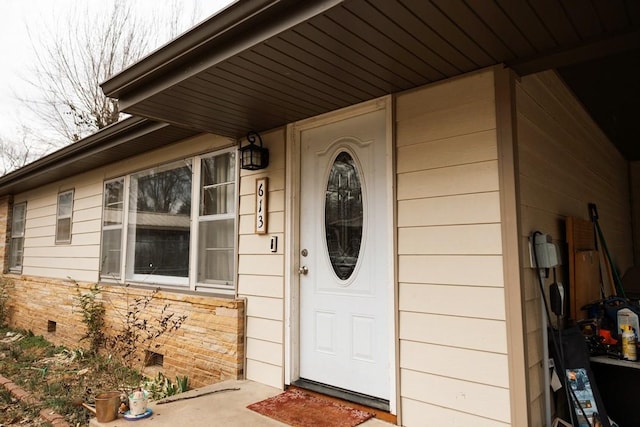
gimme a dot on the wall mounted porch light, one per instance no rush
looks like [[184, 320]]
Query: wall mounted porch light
[[252, 156]]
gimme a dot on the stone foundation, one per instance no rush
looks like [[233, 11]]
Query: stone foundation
[[208, 348]]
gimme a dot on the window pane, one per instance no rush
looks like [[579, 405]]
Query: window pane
[[218, 200], [65, 203], [63, 230], [343, 215], [216, 244], [113, 202], [160, 221], [218, 169], [111, 250], [15, 254], [162, 252], [18, 220]]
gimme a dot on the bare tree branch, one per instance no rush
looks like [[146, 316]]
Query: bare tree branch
[[74, 57]]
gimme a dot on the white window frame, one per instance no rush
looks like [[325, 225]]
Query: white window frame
[[216, 217], [120, 226], [190, 282], [17, 236], [64, 217]]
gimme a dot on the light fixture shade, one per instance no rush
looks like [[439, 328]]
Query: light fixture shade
[[252, 156]]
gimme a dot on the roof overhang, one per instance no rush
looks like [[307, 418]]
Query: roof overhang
[[121, 140], [260, 64]]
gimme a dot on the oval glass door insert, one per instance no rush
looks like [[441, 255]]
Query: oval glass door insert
[[343, 214]]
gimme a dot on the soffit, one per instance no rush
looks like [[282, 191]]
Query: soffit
[[362, 49]]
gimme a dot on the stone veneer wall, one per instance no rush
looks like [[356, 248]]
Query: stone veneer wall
[[208, 348]]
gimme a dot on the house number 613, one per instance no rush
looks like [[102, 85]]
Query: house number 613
[[262, 193]]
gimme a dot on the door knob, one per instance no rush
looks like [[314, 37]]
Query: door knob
[[303, 270]]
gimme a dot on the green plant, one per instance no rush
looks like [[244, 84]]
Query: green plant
[[5, 286], [140, 329], [93, 311], [161, 386]]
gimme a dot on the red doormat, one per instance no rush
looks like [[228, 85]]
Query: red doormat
[[299, 409]]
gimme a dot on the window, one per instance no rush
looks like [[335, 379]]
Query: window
[[17, 237], [217, 220], [112, 219], [174, 224], [63, 218], [159, 224]]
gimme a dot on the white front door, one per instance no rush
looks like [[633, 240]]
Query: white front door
[[345, 255]]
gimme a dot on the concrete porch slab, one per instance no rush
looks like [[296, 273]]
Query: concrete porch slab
[[214, 405]]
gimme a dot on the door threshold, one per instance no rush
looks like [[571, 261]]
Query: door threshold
[[379, 407]]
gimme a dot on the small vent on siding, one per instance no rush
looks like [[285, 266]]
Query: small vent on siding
[[51, 326]]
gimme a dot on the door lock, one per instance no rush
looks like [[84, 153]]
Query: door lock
[[303, 270]]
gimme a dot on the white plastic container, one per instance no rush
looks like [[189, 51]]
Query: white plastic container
[[628, 317], [138, 401]]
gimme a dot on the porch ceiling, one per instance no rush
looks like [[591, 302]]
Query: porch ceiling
[[260, 64]]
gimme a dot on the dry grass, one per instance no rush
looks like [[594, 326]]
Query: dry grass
[[56, 377]]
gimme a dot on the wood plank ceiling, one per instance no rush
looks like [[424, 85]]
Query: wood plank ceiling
[[362, 49]]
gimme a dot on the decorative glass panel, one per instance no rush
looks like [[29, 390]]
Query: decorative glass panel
[[343, 213]]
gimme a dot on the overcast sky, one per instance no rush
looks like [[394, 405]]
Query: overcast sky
[[18, 17]]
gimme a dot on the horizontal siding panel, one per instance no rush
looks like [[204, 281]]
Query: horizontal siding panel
[[461, 119], [446, 94], [88, 214], [264, 351], [450, 210], [266, 286], [483, 239], [43, 221], [275, 202], [91, 251], [89, 226], [47, 241], [467, 301], [481, 270], [54, 260], [472, 398], [463, 364], [62, 273], [275, 223], [414, 413], [266, 308], [470, 148], [88, 202], [464, 332], [40, 232], [265, 329], [264, 373], [34, 213], [248, 183], [473, 178], [256, 244], [264, 265]]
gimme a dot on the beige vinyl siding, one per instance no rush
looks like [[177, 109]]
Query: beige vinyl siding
[[261, 272], [80, 259], [565, 162], [453, 339]]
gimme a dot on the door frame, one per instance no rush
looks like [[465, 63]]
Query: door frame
[[292, 239]]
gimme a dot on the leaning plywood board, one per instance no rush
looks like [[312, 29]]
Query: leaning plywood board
[[584, 267]]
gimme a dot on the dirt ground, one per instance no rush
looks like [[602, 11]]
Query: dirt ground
[[58, 379]]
